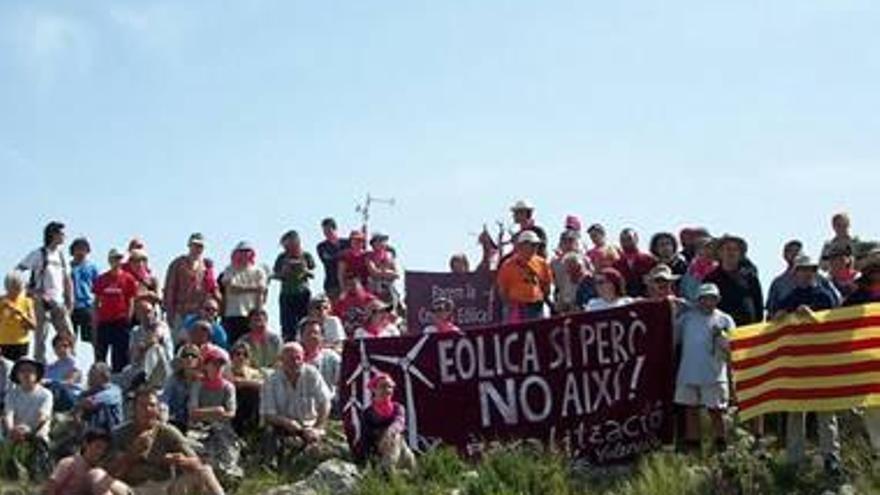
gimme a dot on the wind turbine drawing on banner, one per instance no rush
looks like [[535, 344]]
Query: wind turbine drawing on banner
[[407, 366], [363, 371]]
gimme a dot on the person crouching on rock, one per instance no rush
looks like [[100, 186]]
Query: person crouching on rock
[[383, 424]]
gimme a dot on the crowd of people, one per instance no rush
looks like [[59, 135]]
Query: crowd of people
[[190, 370]]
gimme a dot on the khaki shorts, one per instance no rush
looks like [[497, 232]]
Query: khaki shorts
[[710, 396]]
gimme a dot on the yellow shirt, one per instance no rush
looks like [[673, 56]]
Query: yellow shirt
[[12, 328]]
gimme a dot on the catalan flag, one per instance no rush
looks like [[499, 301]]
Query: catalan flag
[[826, 363]]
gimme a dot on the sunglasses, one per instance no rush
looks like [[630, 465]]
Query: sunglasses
[[189, 356]]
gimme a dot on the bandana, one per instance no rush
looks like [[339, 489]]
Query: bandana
[[701, 267], [311, 356], [381, 255], [243, 258], [374, 329], [215, 382], [384, 408], [446, 326]]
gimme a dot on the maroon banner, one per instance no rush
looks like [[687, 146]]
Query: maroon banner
[[471, 292], [597, 385]]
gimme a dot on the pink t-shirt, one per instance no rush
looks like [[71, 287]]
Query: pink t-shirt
[[71, 476]]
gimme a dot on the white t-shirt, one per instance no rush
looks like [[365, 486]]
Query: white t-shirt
[[26, 408], [301, 401], [598, 304], [51, 280], [332, 331], [240, 303]]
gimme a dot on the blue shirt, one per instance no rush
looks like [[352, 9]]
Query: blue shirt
[[218, 333], [61, 369], [814, 297], [83, 275], [785, 283], [107, 403], [175, 395]]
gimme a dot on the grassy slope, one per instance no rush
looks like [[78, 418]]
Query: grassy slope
[[739, 471]]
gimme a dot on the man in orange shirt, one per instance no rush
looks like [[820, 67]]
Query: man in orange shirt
[[524, 280]]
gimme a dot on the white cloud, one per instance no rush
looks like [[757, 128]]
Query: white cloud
[[51, 46]]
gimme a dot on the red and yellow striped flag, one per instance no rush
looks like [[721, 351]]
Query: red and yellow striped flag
[[827, 363]]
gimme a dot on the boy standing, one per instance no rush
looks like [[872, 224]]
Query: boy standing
[[703, 331], [84, 273]]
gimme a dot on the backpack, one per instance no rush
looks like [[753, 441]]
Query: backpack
[[35, 283]]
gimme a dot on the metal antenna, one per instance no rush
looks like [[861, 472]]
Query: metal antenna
[[364, 208]]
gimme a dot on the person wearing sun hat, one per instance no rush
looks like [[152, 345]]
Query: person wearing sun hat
[[702, 331], [524, 280], [524, 216], [737, 279], [379, 322], [807, 296], [27, 418], [442, 316], [661, 282]]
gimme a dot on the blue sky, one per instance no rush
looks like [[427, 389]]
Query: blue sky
[[244, 119]]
